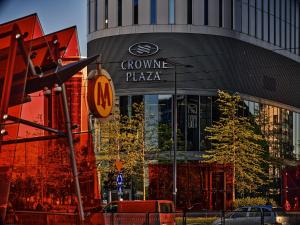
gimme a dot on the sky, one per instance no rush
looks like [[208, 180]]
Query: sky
[[54, 15]]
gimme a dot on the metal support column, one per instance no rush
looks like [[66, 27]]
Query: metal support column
[[5, 96], [9, 71], [175, 139], [72, 153]]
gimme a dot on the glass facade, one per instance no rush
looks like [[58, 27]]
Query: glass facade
[[280, 127], [189, 11], [135, 11], [274, 21], [153, 11], [171, 11], [106, 14], [220, 13], [96, 14], [89, 15], [205, 12], [119, 12]]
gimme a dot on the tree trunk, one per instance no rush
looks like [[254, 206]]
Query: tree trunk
[[234, 161], [233, 184], [109, 196], [144, 176]]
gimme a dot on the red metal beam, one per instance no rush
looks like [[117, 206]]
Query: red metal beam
[[9, 72]]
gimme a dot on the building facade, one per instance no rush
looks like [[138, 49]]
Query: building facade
[[156, 48]]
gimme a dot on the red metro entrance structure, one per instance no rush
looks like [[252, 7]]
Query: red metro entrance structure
[[41, 91]]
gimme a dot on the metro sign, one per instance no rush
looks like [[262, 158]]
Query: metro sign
[[101, 95]]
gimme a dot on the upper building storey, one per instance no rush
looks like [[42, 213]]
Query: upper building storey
[[271, 24]]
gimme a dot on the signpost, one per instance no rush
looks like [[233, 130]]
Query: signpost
[[119, 184]]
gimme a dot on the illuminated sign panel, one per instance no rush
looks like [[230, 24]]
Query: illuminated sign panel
[[100, 94]]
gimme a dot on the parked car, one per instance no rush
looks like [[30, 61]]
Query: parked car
[[152, 212], [252, 215]]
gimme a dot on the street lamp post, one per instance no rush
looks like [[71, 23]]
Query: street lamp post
[[175, 137], [174, 123]]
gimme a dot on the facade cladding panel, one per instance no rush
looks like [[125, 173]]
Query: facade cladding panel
[[244, 46], [219, 63]]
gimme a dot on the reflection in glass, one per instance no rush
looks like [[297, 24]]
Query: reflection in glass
[[205, 119], [193, 123], [205, 12], [165, 122], [181, 122], [119, 12], [96, 15], [296, 135], [189, 11], [153, 11], [279, 126], [151, 105], [135, 11], [106, 14], [171, 12]]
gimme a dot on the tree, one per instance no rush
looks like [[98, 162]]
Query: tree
[[235, 141], [122, 137]]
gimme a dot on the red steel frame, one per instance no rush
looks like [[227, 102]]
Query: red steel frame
[[8, 77], [17, 46]]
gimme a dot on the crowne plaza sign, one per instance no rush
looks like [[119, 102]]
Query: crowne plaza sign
[[141, 68], [101, 93]]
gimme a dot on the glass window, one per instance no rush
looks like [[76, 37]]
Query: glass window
[[296, 134], [277, 22], [220, 13], [124, 105], [96, 15], [165, 122], [171, 12], [106, 14], [283, 23], [241, 212], [153, 11], [266, 20], [135, 11], [252, 18], [251, 108], [238, 15], [165, 208], [89, 16], [245, 17], [192, 123], [151, 105], [267, 212], [271, 21], [119, 12], [293, 16], [205, 119], [288, 24], [232, 13], [189, 11], [181, 122], [255, 212], [259, 19], [205, 12], [297, 24]]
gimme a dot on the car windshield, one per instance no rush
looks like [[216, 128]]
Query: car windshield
[[240, 212], [165, 207], [228, 215], [279, 212]]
